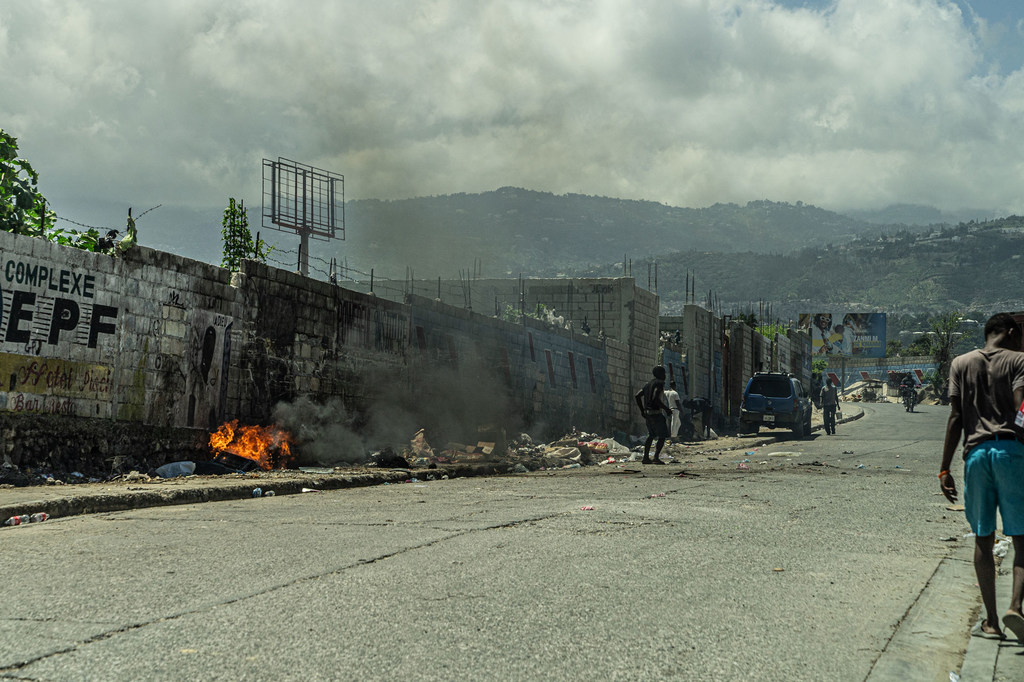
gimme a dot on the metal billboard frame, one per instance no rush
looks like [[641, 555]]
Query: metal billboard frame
[[307, 200]]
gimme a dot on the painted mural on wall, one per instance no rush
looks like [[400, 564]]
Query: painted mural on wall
[[44, 312], [207, 357]]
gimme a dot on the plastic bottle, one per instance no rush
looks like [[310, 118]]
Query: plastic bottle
[[18, 520], [257, 492], [38, 517], [269, 493]]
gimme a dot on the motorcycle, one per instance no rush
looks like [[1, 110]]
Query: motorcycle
[[909, 399]]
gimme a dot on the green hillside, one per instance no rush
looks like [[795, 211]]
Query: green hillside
[[970, 267], [513, 230]]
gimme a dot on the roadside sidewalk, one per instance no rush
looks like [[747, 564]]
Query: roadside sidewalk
[[988, 659]]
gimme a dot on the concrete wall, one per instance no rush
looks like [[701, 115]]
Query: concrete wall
[[609, 307], [154, 344], [879, 368], [720, 364]]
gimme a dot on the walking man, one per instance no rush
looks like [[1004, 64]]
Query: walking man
[[829, 401], [986, 394], [672, 399], [651, 401]]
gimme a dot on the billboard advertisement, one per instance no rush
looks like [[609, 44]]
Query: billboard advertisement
[[850, 334]]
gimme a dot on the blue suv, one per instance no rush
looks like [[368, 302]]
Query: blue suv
[[776, 401]]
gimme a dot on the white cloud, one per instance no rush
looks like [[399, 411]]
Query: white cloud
[[689, 102]]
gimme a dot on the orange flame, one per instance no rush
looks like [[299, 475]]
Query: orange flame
[[268, 446]]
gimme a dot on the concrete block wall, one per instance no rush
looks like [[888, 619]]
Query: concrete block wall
[[153, 343], [702, 339], [140, 338], [558, 379], [614, 307], [303, 337], [800, 356], [783, 354]]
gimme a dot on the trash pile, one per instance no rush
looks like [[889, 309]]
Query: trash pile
[[517, 455]]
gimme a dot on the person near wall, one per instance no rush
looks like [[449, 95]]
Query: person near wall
[[672, 398], [986, 400], [829, 398], [700, 414], [651, 401]]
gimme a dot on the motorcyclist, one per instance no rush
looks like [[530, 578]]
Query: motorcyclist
[[908, 388]]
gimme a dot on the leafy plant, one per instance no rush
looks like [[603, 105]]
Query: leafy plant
[[238, 240], [22, 207]]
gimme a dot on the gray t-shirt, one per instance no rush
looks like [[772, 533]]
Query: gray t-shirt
[[985, 381]]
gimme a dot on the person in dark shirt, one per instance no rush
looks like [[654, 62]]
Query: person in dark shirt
[[829, 402], [651, 401]]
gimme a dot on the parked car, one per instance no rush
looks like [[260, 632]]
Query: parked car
[[777, 401]]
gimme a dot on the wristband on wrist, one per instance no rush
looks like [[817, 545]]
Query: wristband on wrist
[[943, 473]]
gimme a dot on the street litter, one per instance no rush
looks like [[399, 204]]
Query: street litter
[[22, 519], [310, 490], [743, 465], [175, 469], [257, 492], [656, 495], [1001, 548], [587, 508]]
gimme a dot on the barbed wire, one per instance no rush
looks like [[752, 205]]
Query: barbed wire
[[99, 229]]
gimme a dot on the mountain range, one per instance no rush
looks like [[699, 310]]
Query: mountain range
[[798, 256]]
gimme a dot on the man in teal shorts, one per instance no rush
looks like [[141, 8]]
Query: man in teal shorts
[[986, 393]]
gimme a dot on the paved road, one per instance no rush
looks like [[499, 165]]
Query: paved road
[[787, 571]]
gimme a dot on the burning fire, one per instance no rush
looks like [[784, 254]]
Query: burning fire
[[268, 446]]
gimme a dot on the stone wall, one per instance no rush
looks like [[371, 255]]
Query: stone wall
[[141, 356]]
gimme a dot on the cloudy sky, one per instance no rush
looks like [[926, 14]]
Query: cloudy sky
[[838, 103]]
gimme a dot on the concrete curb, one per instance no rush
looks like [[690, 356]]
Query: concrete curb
[[72, 500]]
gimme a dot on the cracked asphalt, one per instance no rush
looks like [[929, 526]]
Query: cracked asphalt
[[806, 566]]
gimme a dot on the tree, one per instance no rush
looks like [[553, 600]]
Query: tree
[[22, 207], [922, 345], [946, 334], [238, 241]]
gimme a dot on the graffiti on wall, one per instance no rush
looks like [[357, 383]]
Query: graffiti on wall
[[207, 356], [51, 385], [44, 307]]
